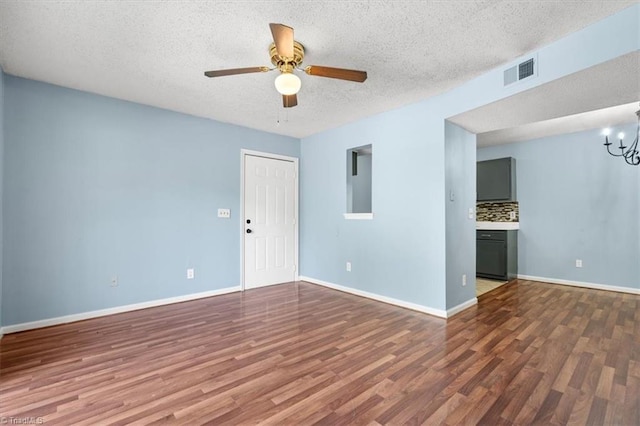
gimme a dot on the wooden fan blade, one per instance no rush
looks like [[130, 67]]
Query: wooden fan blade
[[234, 71], [339, 73], [283, 38], [289, 101]]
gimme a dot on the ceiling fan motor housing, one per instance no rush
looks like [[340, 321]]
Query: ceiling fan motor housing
[[285, 64]]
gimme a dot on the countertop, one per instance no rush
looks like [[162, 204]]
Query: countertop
[[501, 226]]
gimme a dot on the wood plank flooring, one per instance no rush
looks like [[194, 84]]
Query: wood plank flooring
[[298, 354]]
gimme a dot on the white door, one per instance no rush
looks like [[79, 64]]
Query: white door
[[270, 205]]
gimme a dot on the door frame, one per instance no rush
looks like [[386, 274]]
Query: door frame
[[248, 152]]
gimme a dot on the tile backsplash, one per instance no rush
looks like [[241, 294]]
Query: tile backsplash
[[497, 212]]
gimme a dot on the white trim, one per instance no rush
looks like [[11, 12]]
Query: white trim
[[413, 306], [461, 307], [294, 160], [241, 228], [268, 155], [117, 310], [358, 216], [505, 226], [581, 284]]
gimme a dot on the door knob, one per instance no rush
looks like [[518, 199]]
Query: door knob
[[248, 220], [248, 231]]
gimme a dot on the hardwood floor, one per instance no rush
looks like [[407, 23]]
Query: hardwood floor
[[529, 353]]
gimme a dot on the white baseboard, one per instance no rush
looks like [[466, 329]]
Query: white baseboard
[[110, 311], [461, 307], [581, 284], [385, 299]]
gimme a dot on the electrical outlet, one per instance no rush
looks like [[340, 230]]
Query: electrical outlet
[[464, 280], [512, 215], [348, 266], [224, 213], [472, 212], [114, 281], [190, 274], [578, 263]]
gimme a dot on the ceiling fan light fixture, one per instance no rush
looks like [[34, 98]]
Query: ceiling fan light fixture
[[286, 56], [288, 83]]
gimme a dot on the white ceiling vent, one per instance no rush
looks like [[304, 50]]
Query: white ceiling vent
[[523, 70]]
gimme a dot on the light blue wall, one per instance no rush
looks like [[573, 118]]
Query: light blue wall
[[401, 252], [1, 182], [576, 202], [460, 181], [96, 187]]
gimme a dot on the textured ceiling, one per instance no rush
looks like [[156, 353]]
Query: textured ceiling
[[597, 119], [155, 52], [603, 95]]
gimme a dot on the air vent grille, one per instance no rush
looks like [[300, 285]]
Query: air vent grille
[[525, 69]]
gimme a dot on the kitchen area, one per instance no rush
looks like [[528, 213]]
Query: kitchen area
[[497, 224]]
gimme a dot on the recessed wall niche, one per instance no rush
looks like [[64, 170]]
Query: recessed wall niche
[[359, 179]]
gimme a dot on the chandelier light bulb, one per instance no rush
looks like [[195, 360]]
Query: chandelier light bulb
[[288, 83], [628, 152]]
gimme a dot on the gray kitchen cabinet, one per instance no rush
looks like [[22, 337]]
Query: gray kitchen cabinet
[[496, 180], [497, 254]]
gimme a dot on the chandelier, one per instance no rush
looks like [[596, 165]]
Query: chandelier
[[630, 153]]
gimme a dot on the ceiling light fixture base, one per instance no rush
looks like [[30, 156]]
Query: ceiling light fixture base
[[285, 64]]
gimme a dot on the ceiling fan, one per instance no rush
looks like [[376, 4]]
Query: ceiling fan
[[287, 55]]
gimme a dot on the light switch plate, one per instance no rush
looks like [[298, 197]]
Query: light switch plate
[[224, 213]]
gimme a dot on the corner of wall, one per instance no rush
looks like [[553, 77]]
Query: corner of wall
[[185, 166], [460, 193], [1, 185]]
